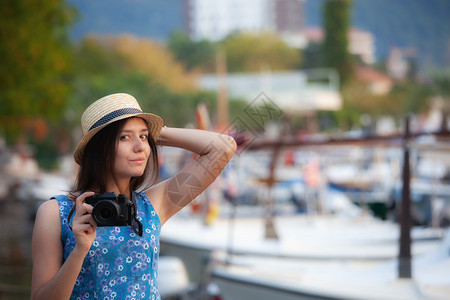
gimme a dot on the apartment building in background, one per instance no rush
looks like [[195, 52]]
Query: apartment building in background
[[214, 20]]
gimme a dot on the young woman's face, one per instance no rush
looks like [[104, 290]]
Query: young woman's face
[[132, 150]]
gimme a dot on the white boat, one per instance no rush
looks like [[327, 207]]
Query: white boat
[[301, 237], [251, 277], [172, 277]]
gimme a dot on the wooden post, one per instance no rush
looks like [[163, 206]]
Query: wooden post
[[222, 89], [269, 226], [404, 260], [270, 230]]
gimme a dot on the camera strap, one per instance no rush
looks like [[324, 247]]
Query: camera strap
[[69, 216], [135, 223]]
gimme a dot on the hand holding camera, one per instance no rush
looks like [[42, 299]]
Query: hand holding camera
[[83, 225], [110, 209]]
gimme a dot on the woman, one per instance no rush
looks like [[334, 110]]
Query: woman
[[72, 256]]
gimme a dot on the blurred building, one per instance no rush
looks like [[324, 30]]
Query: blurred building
[[214, 20], [360, 42], [377, 82], [296, 92], [397, 64]]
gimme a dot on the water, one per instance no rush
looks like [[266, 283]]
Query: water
[[16, 226]]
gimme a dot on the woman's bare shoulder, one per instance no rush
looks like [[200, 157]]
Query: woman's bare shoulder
[[49, 205], [48, 211]]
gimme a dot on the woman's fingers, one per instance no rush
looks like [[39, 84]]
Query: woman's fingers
[[86, 228], [83, 220], [85, 209], [79, 201], [81, 207]]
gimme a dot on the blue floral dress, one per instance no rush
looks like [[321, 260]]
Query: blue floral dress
[[120, 264]]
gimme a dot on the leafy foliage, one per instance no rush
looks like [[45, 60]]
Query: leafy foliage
[[441, 88], [313, 56], [193, 54], [152, 59], [441, 83], [247, 52], [336, 25], [34, 61], [405, 98], [138, 67]]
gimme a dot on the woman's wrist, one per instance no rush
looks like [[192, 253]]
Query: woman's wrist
[[80, 252], [197, 141], [161, 138]]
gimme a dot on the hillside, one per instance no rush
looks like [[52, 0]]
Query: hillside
[[154, 19], [419, 24], [422, 25]]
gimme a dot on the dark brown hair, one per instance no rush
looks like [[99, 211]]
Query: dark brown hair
[[98, 161]]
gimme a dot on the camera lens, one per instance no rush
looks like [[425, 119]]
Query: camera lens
[[105, 213]]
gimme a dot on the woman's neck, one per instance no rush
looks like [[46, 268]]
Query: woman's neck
[[119, 186]]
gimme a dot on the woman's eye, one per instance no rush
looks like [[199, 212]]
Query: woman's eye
[[124, 137], [144, 137]]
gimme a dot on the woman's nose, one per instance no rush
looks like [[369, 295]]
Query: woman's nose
[[138, 145]]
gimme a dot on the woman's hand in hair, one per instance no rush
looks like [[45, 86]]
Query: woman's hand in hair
[[213, 150], [83, 224]]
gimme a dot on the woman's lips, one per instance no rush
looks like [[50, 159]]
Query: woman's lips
[[138, 161]]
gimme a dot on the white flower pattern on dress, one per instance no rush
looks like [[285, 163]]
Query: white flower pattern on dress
[[120, 264]]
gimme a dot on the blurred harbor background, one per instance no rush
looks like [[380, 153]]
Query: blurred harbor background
[[339, 107]]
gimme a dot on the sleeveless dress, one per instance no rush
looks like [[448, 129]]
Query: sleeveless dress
[[120, 264]]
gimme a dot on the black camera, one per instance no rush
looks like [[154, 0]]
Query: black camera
[[113, 210]]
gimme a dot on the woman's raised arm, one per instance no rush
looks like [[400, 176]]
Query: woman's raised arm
[[214, 152]]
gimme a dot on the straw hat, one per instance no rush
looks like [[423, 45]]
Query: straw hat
[[109, 109]]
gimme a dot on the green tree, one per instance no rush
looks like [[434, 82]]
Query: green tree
[[193, 54], [336, 25], [406, 98], [34, 60], [250, 52], [100, 70], [441, 88], [313, 56], [153, 59], [441, 83]]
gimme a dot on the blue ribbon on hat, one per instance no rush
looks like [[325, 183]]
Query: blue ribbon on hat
[[112, 115]]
